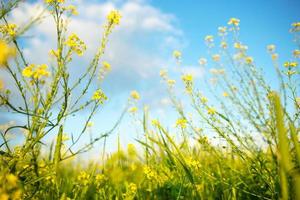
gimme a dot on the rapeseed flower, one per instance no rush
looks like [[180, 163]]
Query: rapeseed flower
[[114, 17], [99, 96], [234, 21], [6, 53], [135, 95], [181, 123]]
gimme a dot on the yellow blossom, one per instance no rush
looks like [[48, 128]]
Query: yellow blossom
[[114, 17], [234, 21], [225, 94], [76, 44], [135, 95], [155, 122], [202, 61], [12, 180], [90, 124], [6, 52], [209, 38], [171, 82], [106, 66], [177, 54], [271, 48], [163, 73], [290, 64], [249, 60], [8, 29], [211, 110], [296, 53], [298, 101], [223, 45], [181, 123], [72, 9], [28, 71], [203, 99], [222, 29], [1, 85], [133, 109], [216, 57], [99, 96], [274, 56]]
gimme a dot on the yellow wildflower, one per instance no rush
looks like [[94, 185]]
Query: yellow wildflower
[[296, 53], [28, 71], [171, 82], [290, 64], [99, 96], [202, 61], [222, 29], [72, 9], [298, 101], [6, 52], [155, 122], [8, 29], [106, 66], [114, 17], [216, 57], [163, 73], [203, 100], [211, 110], [41, 71], [274, 56], [76, 44], [1, 85], [209, 38], [296, 27], [90, 124], [271, 48], [234, 21], [177, 54], [4, 196], [12, 180], [188, 80], [135, 95], [249, 60], [133, 109], [225, 94], [223, 45], [181, 123]]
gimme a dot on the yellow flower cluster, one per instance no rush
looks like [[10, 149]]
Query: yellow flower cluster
[[181, 123], [54, 1], [99, 96], [188, 80], [209, 38], [114, 18], [177, 54], [36, 71], [9, 188], [8, 29], [133, 109], [135, 95], [216, 57], [72, 9], [76, 44], [296, 53], [211, 110], [290, 64], [249, 60], [295, 27], [83, 178], [234, 21], [6, 52], [150, 174], [1, 85]]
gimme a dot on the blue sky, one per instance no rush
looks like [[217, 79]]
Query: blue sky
[[150, 30]]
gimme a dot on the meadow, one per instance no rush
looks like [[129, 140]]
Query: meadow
[[243, 144]]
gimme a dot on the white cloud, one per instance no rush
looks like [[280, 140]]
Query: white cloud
[[134, 49]]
